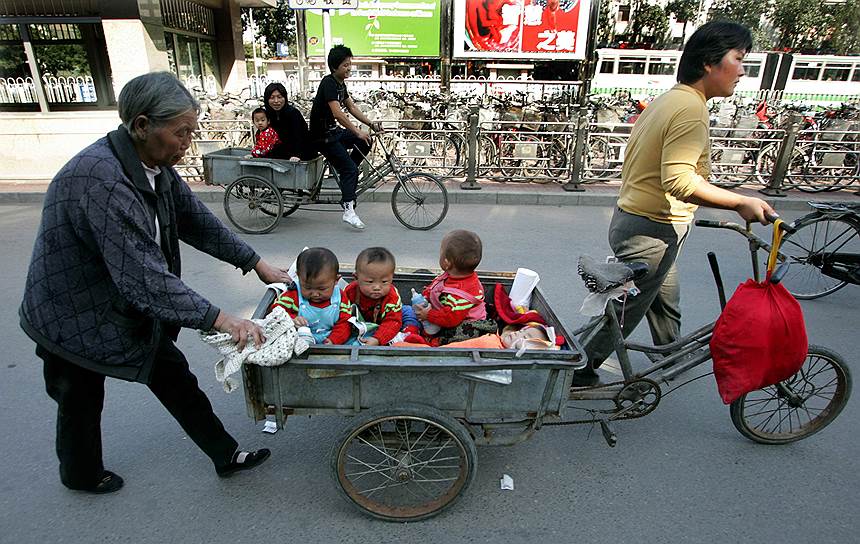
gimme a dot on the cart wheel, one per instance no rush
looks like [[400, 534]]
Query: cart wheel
[[419, 201], [404, 463], [292, 200], [253, 205], [798, 407]]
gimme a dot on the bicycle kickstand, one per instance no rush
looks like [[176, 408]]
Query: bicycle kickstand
[[608, 433]]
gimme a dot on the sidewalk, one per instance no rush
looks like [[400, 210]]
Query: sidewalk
[[491, 193]]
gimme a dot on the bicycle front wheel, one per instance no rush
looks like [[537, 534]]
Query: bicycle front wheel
[[419, 201], [809, 250], [798, 407]]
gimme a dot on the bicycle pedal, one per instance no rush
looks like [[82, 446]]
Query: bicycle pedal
[[608, 434]]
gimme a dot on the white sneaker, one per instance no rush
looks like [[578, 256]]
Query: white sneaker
[[349, 216]]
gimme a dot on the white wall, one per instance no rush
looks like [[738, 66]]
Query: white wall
[[34, 146]]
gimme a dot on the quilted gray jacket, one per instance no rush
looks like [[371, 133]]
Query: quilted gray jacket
[[100, 290]]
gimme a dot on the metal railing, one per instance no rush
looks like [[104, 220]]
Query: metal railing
[[74, 90]]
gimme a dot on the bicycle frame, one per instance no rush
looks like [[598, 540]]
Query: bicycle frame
[[667, 361]]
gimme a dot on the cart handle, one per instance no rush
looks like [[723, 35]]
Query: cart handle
[[273, 166]]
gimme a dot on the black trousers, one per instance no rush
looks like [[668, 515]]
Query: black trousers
[[79, 394]]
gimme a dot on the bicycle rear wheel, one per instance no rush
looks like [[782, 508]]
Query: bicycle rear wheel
[[419, 201], [253, 205], [798, 407], [809, 249]]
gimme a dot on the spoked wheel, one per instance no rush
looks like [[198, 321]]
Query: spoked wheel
[[404, 463], [419, 201], [253, 205], [798, 407], [733, 167], [809, 251]]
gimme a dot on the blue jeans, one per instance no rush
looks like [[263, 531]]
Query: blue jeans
[[334, 148]]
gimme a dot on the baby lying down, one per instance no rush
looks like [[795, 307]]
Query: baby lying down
[[528, 336]]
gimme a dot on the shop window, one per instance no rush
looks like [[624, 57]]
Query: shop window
[[70, 58]]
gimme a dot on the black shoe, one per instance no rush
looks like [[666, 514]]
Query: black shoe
[[108, 483], [249, 460], [585, 378]]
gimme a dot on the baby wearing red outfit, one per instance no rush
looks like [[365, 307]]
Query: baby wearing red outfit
[[375, 295], [266, 138], [456, 295]]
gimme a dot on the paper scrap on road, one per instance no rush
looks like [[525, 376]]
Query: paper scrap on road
[[507, 482], [270, 427]]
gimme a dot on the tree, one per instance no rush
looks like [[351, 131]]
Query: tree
[[798, 23], [648, 20], [683, 10], [845, 29], [748, 13], [274, 25], [605, 25]]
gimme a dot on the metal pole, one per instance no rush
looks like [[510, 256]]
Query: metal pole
[[326, 32], [445, 46], [254, 43], [783, 157], [588, 65], [38, 84], [578, 152], [472, 157], [302, 49]]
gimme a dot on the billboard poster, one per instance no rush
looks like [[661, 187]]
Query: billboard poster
[[380, 28], [521, 29]]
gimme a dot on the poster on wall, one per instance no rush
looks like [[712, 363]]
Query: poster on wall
[[521, 29], [380, 28]]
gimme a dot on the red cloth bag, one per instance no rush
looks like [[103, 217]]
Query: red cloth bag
[[760, 338]]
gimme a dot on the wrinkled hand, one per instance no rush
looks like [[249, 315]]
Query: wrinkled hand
[[241, 330], [421, 311], [372, 341], [755, 209], [269, 274], [376, 126], [300, 321], [364, 136]]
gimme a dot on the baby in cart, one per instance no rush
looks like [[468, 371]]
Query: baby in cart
[[318, 307]]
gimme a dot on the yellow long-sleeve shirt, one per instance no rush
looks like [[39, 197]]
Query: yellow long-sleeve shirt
[[667, 156]]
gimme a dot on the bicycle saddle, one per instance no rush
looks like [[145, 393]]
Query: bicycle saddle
[[602, 277]]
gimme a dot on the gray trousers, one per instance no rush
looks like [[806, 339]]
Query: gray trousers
[[638, 239]]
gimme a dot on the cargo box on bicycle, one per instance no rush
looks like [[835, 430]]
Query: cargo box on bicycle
[[225, 166]]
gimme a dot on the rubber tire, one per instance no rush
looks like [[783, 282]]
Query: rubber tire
[[433, 181], [274, 215], [446, 422], [788, 240], [840, 398]]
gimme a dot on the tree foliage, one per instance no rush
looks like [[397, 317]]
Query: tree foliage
[[648, 20], [274, 25], [605, 25], [844, 36], [798, 23]]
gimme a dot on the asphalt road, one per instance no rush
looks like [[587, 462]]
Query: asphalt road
[[682, 474]]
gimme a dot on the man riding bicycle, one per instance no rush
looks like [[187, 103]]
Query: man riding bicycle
[[330, 107]]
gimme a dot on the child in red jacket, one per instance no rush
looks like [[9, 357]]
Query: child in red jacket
[[456, 295], [316, 302], [266, 138], [374, 294]]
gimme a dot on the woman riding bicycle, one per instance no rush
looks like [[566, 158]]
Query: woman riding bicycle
[[664, 180]]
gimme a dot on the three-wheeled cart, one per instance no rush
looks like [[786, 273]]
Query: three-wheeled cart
[[417, 414]]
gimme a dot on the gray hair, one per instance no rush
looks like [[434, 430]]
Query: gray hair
[[157, 95]]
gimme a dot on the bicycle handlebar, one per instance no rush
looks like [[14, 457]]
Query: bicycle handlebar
[[734, 226]]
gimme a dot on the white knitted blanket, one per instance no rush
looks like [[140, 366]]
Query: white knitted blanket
[[282, 342]]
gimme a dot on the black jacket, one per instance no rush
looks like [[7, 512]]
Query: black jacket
[[100, 290], [292, 130]]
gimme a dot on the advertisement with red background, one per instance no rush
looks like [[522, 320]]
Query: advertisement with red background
[[527, 29]]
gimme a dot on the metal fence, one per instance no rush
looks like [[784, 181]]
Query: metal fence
[[66, 90]]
